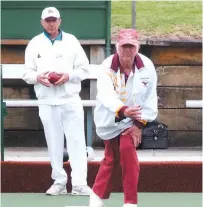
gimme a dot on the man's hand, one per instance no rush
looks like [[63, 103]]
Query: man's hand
[[64, 78], [135, 133], [43, 79], [133, 112]]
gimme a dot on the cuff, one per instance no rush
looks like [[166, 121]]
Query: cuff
[[140, 124], [71, 77], [33, 79], [121, 112]]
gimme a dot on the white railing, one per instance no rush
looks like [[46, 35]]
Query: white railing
[[34, 103], [194, 103]]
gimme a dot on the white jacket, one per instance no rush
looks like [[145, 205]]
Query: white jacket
[[141, 88], [64, 55]]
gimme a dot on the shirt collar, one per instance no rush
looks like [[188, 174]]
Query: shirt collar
[[116, 64], [59, 37]]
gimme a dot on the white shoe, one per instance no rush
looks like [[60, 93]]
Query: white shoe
[[129, 205], [95, 200], [56, 189], [81, 190]]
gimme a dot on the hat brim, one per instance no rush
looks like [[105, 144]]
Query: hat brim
[[53, 16], [128, 42]]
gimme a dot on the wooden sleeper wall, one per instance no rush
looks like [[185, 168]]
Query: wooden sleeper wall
[[179, 72]]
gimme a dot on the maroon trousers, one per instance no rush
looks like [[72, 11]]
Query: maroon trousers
[[119, 150]]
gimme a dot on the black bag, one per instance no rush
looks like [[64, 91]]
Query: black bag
[[155, 136]]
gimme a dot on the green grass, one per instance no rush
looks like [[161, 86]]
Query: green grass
[[160, 18]]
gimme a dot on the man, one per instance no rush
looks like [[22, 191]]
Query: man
[[126, 101], [60, 106]]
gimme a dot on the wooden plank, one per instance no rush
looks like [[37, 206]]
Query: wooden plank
[[97, 55], [175, 119], [82, 42], [15, 54], [181, 119], [14, 42], [25, 119], [33, 138], [175, 97], [185, 138], [182, 43], [179, 75], [36, 138], [93, 89], [18, 93], [22, 118], [27, 91], [25, 42], [24, 138], [176, 56], [12, 54]]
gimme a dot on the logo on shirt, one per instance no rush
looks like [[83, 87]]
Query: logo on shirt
[[38, 56], [145, 83], [59, 56]]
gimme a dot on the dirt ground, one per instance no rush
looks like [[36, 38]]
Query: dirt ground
[[176, 36]]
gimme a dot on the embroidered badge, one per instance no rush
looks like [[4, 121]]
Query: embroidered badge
[[145, 83], [50, 11]]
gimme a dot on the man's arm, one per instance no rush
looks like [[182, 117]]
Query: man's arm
[[106, 93], [81, 64], [30, 74]]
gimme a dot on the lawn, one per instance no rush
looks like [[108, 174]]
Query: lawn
[[160, 19]]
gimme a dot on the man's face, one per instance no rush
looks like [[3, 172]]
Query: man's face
[[127, 52], [51, 24]]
